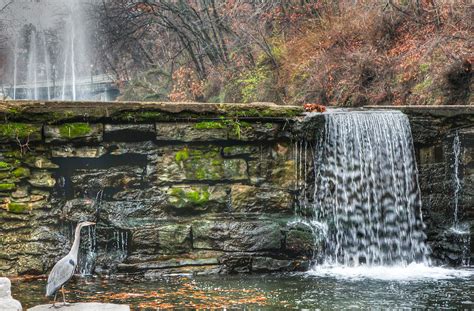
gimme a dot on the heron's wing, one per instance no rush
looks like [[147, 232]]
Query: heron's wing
[[62, 271]]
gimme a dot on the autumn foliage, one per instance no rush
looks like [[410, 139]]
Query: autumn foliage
[[334, 53]]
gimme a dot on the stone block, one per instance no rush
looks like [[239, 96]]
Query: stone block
[[189, 164], [189, 132], [168, 238], [260, 199], [69, 151], [191, 199], [233, 235], [83, 132]]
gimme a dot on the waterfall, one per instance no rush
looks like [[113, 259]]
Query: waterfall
[[366, 190], [461, 232], [457, 181]]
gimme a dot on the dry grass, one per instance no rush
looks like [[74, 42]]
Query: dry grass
[[375, 53]]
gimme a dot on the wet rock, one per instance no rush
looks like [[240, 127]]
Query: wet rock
[[268, 264], [78, 152], [7, 303], [42, 162], [301, 240], [276, 167], [89, 182], [191, 199], [120, 132], [198, 165], [257, 199], [83, 132], [164, 239], [233, 235], [254, 131], [188, 132], [42, 179]]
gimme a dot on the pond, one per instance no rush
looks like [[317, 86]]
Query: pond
[[328, 289]]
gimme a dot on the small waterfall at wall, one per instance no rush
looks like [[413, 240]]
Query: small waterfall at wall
[[460, 231], [366, 191]]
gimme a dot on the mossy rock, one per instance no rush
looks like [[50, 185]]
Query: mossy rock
[[186, 198], [74, 131], [11, 131], [4, 166], [199, 165], [18, 208], [21, 172], [7, 187]]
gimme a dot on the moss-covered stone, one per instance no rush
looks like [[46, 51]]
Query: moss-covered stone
[[12, 131], [189, 132], [199, 165], [207, 125], [21, 172], [4, 166], [74, 131], [184, 198], [18, 208], [7, 187]]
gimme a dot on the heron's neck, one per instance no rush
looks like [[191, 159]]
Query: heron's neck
[[77, 239]]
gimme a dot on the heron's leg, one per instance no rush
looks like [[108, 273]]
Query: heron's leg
[[54, 301], [65, 303]]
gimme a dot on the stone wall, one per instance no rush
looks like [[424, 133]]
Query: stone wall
[[434, 130], [190, 188], [173, 188]]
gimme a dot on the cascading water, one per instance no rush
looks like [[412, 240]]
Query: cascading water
[[460, 231], [366, 191]]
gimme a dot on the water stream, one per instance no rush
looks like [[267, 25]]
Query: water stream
[[367, 190]]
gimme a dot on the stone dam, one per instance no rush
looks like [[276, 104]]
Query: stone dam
[[197, 188]]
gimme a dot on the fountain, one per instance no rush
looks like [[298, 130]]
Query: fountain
[[50, 54], [366, 191]]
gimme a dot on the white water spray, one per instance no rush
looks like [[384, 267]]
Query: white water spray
[[367, 190]]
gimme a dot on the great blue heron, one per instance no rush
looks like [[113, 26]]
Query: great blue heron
[[64, 269]]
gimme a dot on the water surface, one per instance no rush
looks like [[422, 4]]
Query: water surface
[[326, 291]]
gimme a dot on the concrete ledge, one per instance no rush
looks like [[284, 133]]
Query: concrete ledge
[[436, 111], [136, 112], [93, 306]]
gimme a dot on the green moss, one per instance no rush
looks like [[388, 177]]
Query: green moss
[[20, 130], [182, 155], [4, 166], [200, 173], [18, 208], [7, 187], [269, 126], [198, 197], [195, 196], [21, 172], [209, 125], [74, 130]]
